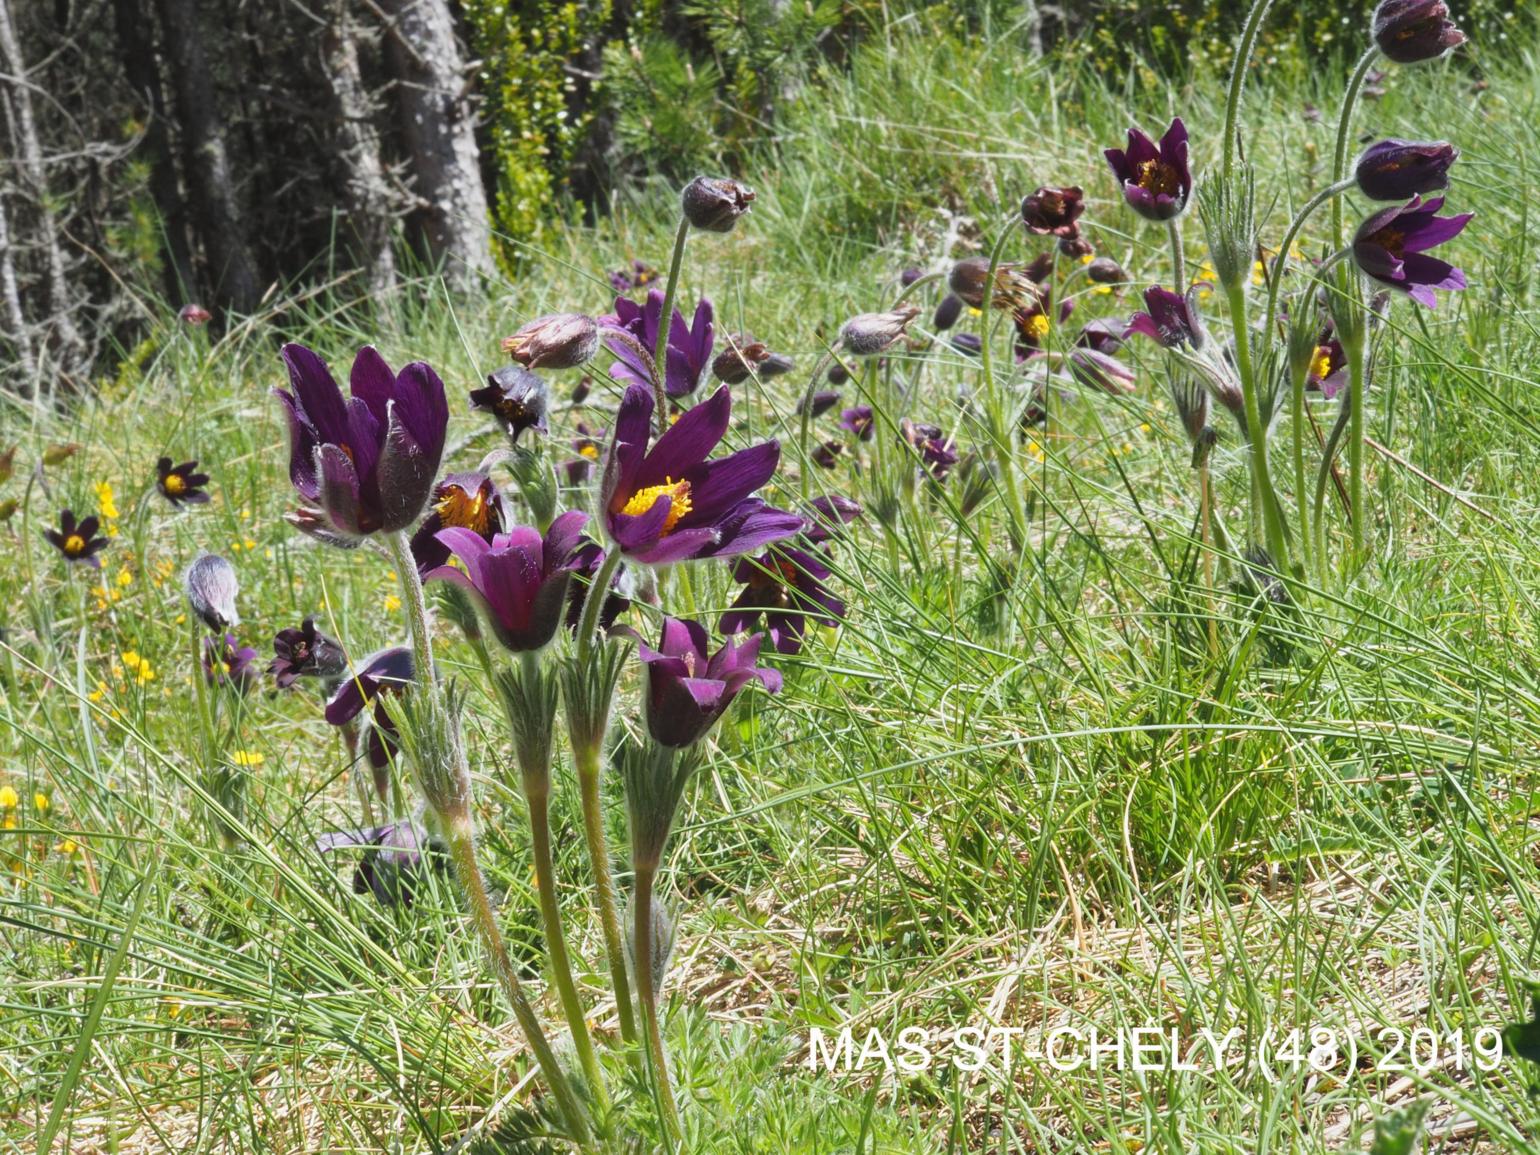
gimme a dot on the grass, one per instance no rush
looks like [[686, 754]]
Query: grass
[[1054, 804]]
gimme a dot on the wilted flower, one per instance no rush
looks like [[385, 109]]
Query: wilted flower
[[7, 464], [519, 578], [868, 334], [860, 421], [1391, 248], [713, 204], [687, 691], [369, 463], [1393, 170], [181, 484], [465, 500], [210, 585], [1054, 211], [1015, 285], [388, 671], [786, 587], [740, 360], [194, 315], [555, 341], [819, 402], [77, 541], [305, 653], [518, 399], [1100, 371], [227, 662], [669, 503], [60, 453], [689, 347], [1172, 319], [398, 859], [1409, 31], [938, 453], [1156, 181]]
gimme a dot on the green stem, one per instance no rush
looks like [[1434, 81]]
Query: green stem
[[641, 935], [665, 320], [1178, 259], [415, 604], [1276, 278], [1242, 61], [588, 772], [1323, 477], [1263, 492], [1344, 132], [593, 602], [1297, 436], [1357, 389], [462, 852]]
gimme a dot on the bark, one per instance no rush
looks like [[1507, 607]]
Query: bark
[[370, 201], [68, 345], [10, 296], [217, 207], [137, 50], [438, 130]]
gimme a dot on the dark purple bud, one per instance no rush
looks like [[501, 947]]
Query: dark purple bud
[[555, 341], [714, 205], [827, 455], [820, 402], [947, 312], [1394, 170], [1409, 31], [776, 365], [1106, 271], [910, 276], [837, 374], [969, 344], [739, 361], [1076, 248]]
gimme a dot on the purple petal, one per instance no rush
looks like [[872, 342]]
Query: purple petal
[[688, 442], [317, 394], [718, 486], [628, 449], [372, 382]]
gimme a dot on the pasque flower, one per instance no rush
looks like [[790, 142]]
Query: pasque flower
[[819, 402], [1034, 320], [465, 500], [689, 346], [669, 503], [938, 452], [687, 690], [1015, 286], [388, 671], [305, 652], [1156, 180], [227, 662], [868, 334], [211, 586], [786, 586], [1391, 248], [519, 578], [1054, 211], [1409, 31], [518, 399], [588, 445], [181, 484], [1328, 370], [1171, 319], [369, 463], [1392, 170], [714, 204], [555, 341], [397, 860], [77, 541], [860, 421]]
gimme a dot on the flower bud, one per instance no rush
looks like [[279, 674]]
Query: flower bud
[[8, 509], [714, 205], [194, 315], [1054, 211], [818, 403], [739, 361], [947, 313], [555, 341], [869, 334], [1409, 31], [1077, 248], [776, 365], [1106, 271], [210, 585], [1396, 170]]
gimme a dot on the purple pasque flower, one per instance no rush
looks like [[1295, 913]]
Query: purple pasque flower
[[938, 452], [519, 578], [387, 671], [1156, 180], [786, 586], [555, 341], [1328, 370], [1171, 319], [819, 402], [305, 652], [181, 484], [227, 662], [589, 447], [1053, 211], [517, 397], [77, 541], [1392, 170], [689, 346], [368, 463], [397, 860], [1034, 321], [669, 503], [1391, 248], [828, 516], [687, 690], [860, 421], [1097, 370], [465, 500], [1102, 334], [1410, 31]]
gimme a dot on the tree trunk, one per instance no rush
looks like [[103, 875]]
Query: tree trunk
[[369, 196], [137, 49], [439, 133], [67, 343], [10, 296], [235, 278]]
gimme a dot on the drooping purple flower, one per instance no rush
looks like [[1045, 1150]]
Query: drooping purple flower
[[827, 454], [1102, 371], [689, 346], [1410, 31], [860, 421], [517, 397], [305, 652], [397, 860], [1156, 181], [670, 503], [467, 500], [938, 452], [227, 662], [519, 578], [1391, 248], [181, 484], [1054, 211], [368, 463], [819, 402], [77, 541], [1393, 170], [828, 517], [555, 341], [786, 586], [1103, 335], [1034, 321], [687, 691], [388, 671], [1171, 320]]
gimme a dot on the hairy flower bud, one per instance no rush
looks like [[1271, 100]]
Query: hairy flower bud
[[1106, 271], [210, 585], [1410, 31], [1395, 170], [1227, 204], [555, 341], [713, 204], [869, 334], [739, 361]]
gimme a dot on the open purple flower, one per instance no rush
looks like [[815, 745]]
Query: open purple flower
[[786, 586], [1391, 248], [1034, 320], [689, 346], [687, 691], [859, 421], [397, 859], [369, 463], [77, 541], [467, 500], [938, 452], [388, 671], [1156, 181], [181, 484], [518, 399], [305, 653], [589, 447], [669, 503], [227, 662], [1054, 211], [519, 578], [1172, 320], [1328, 370]]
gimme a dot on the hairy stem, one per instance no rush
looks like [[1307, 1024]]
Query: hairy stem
[[1238, 68], [588, 772], [1345, 130], [1358, 389], [665, 320], [1178, 258], [641, 937], [1323, 477], [1263, 492]]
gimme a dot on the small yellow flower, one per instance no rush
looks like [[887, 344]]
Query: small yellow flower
[[181, 619], [392, 603], [104, 501], [66, 847], [125, 577], [248, 758], [249, 544], [40, 802], [8, 798], [131, 659]]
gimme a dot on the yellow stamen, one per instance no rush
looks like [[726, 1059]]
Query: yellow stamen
[[74, 544], [1036, 326], [1157, 177], [589, 451], [1321, 366], [677, 492], [467, 510], [175, 483]]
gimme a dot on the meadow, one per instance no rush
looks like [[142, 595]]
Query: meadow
[[1074, 766]]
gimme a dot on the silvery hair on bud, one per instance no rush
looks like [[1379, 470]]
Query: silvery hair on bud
[[1227, 204], [662, 944], [210, 585]]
